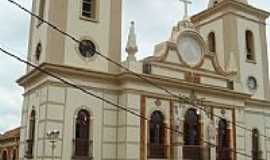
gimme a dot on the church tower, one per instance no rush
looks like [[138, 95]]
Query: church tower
[[236, 32], [85, 125], [97, 23]]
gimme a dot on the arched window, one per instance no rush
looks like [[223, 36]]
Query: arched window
[[157, 136], [4, 155], [192, 128], [250, 46], [31, 135], [192, 136], [212, 42], [82, 142], [224, 141], [14, 154], [255, 144], [89, 9]]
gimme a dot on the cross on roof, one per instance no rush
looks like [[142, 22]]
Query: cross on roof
[[186, 3]]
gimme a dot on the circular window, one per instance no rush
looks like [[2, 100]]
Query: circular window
[[38, 51], [87, 48], [252, 83]]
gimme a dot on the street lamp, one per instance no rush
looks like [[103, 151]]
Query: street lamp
[[52, 137]]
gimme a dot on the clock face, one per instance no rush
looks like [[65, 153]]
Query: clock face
[[190, 49], [252, 83]]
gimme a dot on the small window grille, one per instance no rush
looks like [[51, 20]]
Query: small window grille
[[147, 68]]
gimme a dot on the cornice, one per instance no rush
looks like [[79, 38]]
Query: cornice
[[230, 4], [64, 69], [258, 102], [123, 78], [182, 84]]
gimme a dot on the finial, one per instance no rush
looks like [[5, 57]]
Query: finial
[[131, 47], [186, 3]]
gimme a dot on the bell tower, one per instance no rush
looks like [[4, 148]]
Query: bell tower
[[234, 30], [96, 23]]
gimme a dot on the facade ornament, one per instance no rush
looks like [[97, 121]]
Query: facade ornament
[[158, 103], [183, 25], [131, 47], [223, 112]]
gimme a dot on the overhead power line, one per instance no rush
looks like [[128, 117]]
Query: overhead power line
[[124, 108], [181, 98]]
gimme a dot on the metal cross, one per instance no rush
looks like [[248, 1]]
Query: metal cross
[[186, 3]]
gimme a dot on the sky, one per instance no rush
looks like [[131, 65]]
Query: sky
[[154, 20]]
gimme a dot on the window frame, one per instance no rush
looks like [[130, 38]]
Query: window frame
[[157, 148], [95, 12], [250, 45], [87, 139], [212, 37], [195, 126], [31, 135], [224, 141]]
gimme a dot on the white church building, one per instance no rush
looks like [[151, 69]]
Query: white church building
[[202, 95]]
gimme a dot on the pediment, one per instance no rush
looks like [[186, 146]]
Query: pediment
[[167, 53], [169, 61]]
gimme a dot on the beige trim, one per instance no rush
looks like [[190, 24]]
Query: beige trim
[[57, 14], [199, 39], [258, 102], [202, 72], [30, 44], [230, 40], [265, 62], [230, 6], [115, 35], [94, 19], [116, 79]]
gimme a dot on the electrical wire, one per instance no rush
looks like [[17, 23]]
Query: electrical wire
[[181, 98], [63, 80]]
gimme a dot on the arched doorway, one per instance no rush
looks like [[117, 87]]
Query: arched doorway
[[224, 141], [192, 136], [82, 135], [4, 155], [157, 147]]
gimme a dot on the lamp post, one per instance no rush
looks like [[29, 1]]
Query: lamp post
[[52, 137]]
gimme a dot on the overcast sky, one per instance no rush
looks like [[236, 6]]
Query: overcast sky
[[154, 20]]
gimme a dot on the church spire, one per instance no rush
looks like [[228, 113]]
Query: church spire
[[131, 47]]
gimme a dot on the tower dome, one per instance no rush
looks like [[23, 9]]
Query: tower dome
[[212, 3]]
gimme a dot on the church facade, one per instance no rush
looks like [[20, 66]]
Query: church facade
[[203, 95]]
